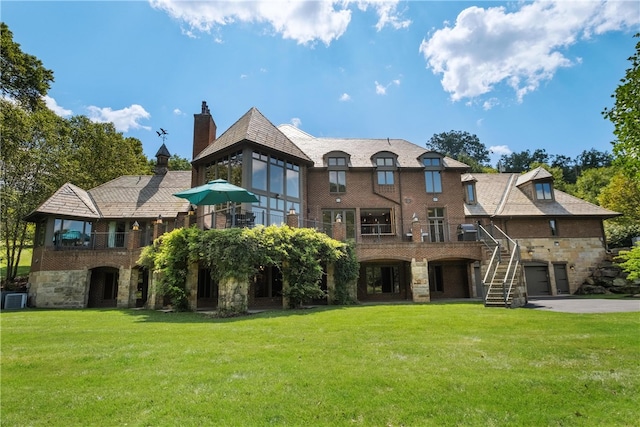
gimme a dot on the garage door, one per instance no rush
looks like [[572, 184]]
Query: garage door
[[537, 277]]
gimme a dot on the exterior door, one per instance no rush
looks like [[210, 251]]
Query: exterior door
[[562, 281], [537, 277]]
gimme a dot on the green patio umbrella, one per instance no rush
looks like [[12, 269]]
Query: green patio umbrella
[[216, 192]]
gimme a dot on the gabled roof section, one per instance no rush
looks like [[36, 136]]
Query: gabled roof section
[[498, 195], [361, 150], [467, 177], [69, 200], [534, 175], [254, 127]]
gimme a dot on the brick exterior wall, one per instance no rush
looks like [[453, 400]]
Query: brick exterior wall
[[407, 196]]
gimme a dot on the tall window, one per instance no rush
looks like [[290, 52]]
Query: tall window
[[259, 171], [432, 174], [436, 224], [348, 217], [376, 221], [337, 174], [276, 183], [554, 227], [337, 181], [384, 170], [228, 168], [470, 193], [543, 191]]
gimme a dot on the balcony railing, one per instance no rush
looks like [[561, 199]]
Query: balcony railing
[[105, 240], [368, 233]]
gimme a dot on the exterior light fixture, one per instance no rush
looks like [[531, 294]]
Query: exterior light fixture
[[192, 211], [338, 218], [292, 211], [135, 226], [159, 220]]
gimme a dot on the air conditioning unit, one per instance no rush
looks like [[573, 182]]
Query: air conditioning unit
[[15, 301]]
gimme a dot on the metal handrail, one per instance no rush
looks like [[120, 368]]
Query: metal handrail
[[512, 266]]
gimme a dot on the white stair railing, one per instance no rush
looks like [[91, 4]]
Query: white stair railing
[[506, 282]]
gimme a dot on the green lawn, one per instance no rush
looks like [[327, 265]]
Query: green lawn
[[386, 365], [24, 266]]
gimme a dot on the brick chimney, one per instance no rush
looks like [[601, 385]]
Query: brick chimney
[[204, 130]]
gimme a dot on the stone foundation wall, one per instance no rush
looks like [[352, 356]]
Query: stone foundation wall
[[581, 255], [59, 289]]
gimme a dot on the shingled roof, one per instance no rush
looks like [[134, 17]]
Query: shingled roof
[[256, 128], [498, 195], [129, 196], [69, 200], [360, 150]]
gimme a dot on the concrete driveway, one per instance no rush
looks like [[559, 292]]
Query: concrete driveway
[[569, 304]]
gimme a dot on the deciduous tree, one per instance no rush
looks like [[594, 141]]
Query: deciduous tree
[[35, 162], [459, 145], [522, 161], [24, 79], [625, 116]]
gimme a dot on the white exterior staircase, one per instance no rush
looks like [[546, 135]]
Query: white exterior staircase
[[503, 281]]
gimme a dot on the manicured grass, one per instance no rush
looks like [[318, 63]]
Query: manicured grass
[[385, 365]]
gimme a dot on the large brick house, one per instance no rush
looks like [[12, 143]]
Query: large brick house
[[424, 228]]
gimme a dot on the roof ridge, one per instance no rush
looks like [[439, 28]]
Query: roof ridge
[[93, 206], [504, 197]]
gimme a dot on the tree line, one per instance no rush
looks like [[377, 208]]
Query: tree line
[[42, 151]]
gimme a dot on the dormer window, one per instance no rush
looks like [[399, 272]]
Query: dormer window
[[544, 191], [470, 193], [469, 186], [385, 165], [338, 166], [432, 173]]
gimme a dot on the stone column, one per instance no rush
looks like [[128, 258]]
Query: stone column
[[420, 280], [154, 300], [191, 286], [331, 284], [233, 296]]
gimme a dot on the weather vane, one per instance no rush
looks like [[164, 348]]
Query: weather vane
[[162, 134]]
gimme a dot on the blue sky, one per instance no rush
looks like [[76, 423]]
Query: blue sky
[[520, 75]]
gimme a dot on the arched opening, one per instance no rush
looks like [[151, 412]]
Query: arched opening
[[103, 287]]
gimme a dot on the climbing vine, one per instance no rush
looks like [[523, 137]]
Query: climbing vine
[[347, 270], [299, 253]]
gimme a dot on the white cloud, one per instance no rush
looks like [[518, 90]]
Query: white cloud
[[387, 14], [243, 76], [382, 89], [178, 112], [306, 22], [490, 103], [123, 120], [53, 106], [345, 97], [296, 122], [500, 150], [492, 46]]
